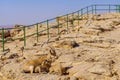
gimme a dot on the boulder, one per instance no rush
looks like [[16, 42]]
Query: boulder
[[100, 69], [14, 32], [66, 44], [6, 33]]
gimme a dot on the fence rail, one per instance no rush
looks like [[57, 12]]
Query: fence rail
[[71, 17]]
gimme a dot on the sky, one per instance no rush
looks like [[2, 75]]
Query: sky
[[28, 12]]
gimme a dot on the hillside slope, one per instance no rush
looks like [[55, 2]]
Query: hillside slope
[[96, 56]]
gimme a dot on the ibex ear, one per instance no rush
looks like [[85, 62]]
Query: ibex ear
[[44, 62], [52, 51]]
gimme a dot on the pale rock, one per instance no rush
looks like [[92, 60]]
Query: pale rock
[[100, 69]]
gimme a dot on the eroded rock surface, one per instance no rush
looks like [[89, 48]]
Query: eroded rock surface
[[90, 51]]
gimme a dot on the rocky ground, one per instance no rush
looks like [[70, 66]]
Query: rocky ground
[[96, 56]]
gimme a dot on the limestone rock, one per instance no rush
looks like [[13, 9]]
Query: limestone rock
[[100, 69], [66, 58], [6, 33], [66, 44]]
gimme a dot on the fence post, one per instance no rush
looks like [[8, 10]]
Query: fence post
[[87, 12], [81, 13], [48, 28], [67, 23], [58, 24], [92, 9], [78, 18], [116, 7], [95, 10], [73, 16], [37, 31], [109, 9], [119, 8], [24, 36], [3, 40]]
